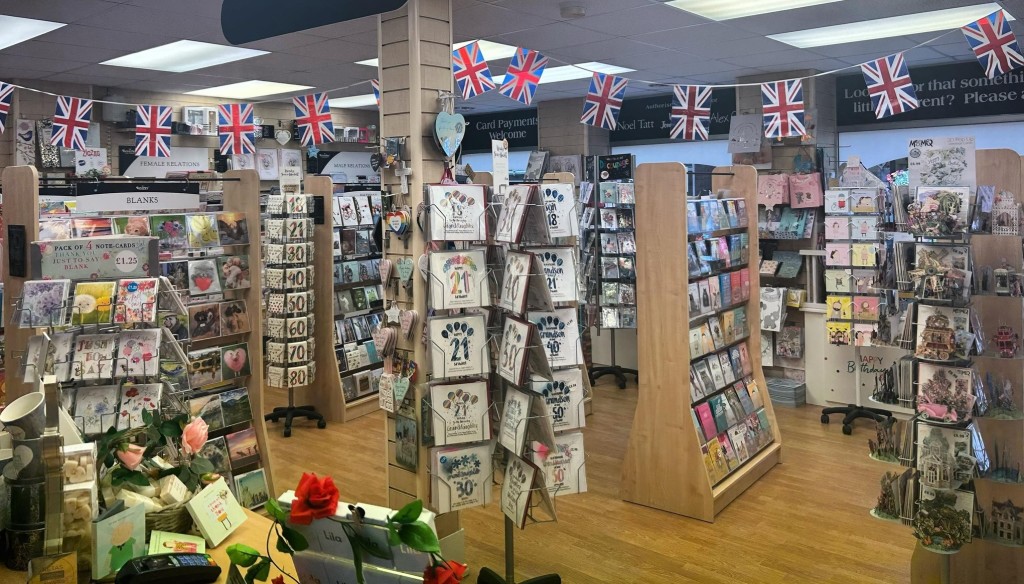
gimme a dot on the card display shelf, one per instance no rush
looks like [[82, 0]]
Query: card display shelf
[[664, 466], [240, 195]]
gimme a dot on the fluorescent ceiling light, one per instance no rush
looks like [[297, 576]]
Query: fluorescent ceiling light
[[181, 56], [249, 89], [579, 71], [727, 9], [894, 26], [492, 52], [354, 101], [14, 29]]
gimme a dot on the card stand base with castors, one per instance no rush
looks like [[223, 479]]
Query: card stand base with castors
[[852, 412], [619, 373], [292, 411]]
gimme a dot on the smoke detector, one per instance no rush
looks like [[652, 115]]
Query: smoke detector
[[571, 10]]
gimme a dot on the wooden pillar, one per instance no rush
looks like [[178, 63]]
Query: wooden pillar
[[415, 64], [20, 212]]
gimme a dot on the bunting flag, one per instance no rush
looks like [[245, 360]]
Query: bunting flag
[[691, 112], [470, 70], [523, 75], [889, 85], [994, 43], [783, 108], [604, 100], [6, 92], [236, 129], [153, 131], [313, 117], [71, 122], [375, 84]]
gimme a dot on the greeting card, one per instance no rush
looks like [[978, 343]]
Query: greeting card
[[839, 307], [235, 361], [92, 303], [235, 406], [117, 536], [457, 212], [837, 254], [458, 279], [523, 283], [461, 477], [203, 277], [513, 357], [559, 265], [838, 227], [234, 272], [560, 209], [234, 317], [563, 396], [863, 228], [837, 201], [266, 163], [243, 448], [44, 303], [135, 399], [59, 355], [171, 232], [202, 230], [216, 512], [942, 333], [565, 471], [865, 307], [204, 321], [138, 353], [347, 211], [233, 228], [458, 346], [522, 217], [515, 417], [204, 367], [517, 488], [945, 394], [560, 336], [863, 254], [94, 357], [460, 412], [864, 200], [96, 408], [92, 226], [136, 300]]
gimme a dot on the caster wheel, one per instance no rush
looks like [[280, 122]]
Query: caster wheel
[[622, 385], [321, 424], [824, 419], [287, 432], [847, 429]]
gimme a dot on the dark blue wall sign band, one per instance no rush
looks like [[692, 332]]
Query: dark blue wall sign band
[[245, 21]]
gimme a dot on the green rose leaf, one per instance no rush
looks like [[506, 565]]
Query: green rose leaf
[[393, 538], [260, 572], [276, 512], [296, 540], [171, 428], [243, 555], [409, 513], [147, 417], [419, 537], [201, 465]]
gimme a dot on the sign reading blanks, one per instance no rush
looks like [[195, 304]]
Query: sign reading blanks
[[132, 197]]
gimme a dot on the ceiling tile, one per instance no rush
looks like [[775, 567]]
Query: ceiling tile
[[196, 8], [127, 17], [125, 41], [880, 47], [606, 51], [655, 60], [87, 79], [782, 58], [549, 9], [41, 65], [55, 10], [652, 17], [739, 48], [163, 86], [487, 20], [839, 13], [366, 39], [552, 36], [46, 50], [15, 74], [117, 72], [712, 33], [349, 27], [333, 48]]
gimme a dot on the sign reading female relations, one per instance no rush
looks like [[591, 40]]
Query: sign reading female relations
[[458, 212], [458, 279]]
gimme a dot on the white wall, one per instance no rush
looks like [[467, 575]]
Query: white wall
[[482, 162], [878, 146], [713, 152]]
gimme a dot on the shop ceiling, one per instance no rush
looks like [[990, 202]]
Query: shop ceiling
[[661, 43]]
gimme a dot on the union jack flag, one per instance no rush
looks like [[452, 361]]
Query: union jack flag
[[604, 100], [6, 92], [470, 70], [994, 43], [375, 84], [523, 75], [153, 131], [71, 122], [313, 116], [691, 112], [889, 85], [783, 105], [236, 128]]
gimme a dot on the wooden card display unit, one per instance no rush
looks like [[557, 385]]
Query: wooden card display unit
[[241, 195], [20, 217], [664, 467]]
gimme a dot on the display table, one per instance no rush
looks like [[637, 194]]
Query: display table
[[253, 532]]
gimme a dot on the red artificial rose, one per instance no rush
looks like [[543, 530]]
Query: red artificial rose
[[315, 498], [277, 580], [449, 572]]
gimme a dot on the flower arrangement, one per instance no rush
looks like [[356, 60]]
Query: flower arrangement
[[317, 498], [179, 439]]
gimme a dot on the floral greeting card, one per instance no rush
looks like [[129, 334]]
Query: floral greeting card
[[44, 303], [96, 408], [136, 300], [171, 231], [138, 353], [135, 399]]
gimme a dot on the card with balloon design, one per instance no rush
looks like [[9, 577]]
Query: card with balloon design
[[560, 209], [459, 279], [559, 335], [235, 361], [458, 212], [458, 346]]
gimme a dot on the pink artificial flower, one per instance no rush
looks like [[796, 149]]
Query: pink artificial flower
[[194, 436], [131, 457]]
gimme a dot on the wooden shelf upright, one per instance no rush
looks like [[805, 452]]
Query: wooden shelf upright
[[664, 467], [20, 212]]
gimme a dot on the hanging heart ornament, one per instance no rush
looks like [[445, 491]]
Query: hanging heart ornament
[[405, 268], [398, 221], [449, 130], [385, 266]]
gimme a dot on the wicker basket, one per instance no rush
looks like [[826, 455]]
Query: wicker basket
[[173, 518]]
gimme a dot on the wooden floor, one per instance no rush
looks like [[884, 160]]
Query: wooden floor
[[805, 521]]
